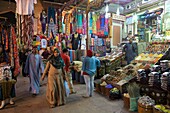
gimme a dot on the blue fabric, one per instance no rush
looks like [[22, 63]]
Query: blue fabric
[[34, 67], [51, 13], [90, 65]]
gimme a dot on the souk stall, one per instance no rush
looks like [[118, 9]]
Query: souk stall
[[9, 62]]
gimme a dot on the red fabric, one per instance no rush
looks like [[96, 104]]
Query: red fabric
[[84, 73], [66, 59], [89, 53]]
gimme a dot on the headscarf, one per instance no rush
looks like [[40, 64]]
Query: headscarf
[[57, 62], [89, 53]]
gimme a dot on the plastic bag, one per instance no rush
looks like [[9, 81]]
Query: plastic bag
[[133, 104], [66, 88]]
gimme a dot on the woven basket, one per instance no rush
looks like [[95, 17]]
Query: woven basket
[[144, 109], [126, 102]]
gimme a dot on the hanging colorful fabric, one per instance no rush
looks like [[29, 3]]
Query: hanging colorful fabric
[[98, 26], [94, 28], [16, 57], [102, 24], [90, 23], [84, 24], [80, 22], [6, 39], [106, 29]]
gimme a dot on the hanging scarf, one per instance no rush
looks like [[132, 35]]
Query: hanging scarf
[[57, 62]]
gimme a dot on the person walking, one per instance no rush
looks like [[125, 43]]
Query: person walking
[[55, 93], [66, 59], [34, 68], [89, 67]]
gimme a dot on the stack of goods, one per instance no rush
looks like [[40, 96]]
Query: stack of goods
[[157, 47], [164, 80], [141, 76], [164, 65], [124, 74], [161, 109], [154, 79], [148, 58], [156, 68], [145, 104]]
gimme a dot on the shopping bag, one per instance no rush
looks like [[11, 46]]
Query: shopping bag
[[66, 88]]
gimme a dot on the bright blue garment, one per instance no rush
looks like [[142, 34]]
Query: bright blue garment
[[90, 65]]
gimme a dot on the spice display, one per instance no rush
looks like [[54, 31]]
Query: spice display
[[153, 78], [146, 100]]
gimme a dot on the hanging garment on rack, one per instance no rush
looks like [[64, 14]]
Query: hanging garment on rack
[[15, 53], [25, 7], [102, 24], [94, 27], [84, 24], [80, 22], [90, 23], [51, 29], [59, 19], [98, 26], [75, 41], [106, 27], [43, 19], [27, 29], [51, 14]]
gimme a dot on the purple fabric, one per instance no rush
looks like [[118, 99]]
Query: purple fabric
[[109, 86]]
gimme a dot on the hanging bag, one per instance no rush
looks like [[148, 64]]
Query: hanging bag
[[66, 88]]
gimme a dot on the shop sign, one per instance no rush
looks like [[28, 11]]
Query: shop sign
[[118, 17]]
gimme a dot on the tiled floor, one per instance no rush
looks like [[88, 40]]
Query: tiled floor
[[25, 103]]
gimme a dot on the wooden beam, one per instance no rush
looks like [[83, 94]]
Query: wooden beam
[[87, 27], [61, 4]]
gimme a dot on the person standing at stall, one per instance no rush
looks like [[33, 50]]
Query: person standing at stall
[[66, 59], [130, 52], [34, 68], [55, 93], [89, 67]]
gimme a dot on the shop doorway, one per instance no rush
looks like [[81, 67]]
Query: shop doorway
[[116, 34]]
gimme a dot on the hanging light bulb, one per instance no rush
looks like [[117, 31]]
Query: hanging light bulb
[[107, 10], [118, 11]]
